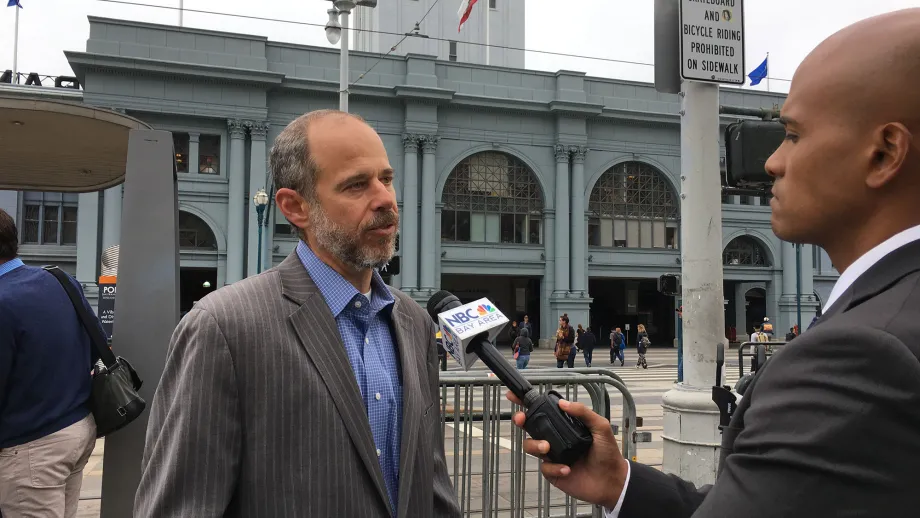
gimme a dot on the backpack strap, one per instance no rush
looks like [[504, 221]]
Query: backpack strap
[[96, 336]]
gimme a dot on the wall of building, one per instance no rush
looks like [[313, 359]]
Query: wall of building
[[380, 29], [567, 129]]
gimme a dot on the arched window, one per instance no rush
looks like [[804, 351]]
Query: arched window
[[195, 234], [632, 205], [492, 198], [745, 251]]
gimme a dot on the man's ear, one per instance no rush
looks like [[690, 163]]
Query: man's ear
[[892, 144], [293, 206]]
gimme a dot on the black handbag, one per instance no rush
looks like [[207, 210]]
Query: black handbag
[[114, 400]]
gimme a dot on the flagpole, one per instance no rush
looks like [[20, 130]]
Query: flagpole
[[16, 47], [181, 11], [768, 71]]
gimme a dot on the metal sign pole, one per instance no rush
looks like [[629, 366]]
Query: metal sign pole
[[711, 49]]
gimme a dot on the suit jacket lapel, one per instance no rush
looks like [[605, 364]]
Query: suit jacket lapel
[[411, 417], [319, 335], [881, 276]]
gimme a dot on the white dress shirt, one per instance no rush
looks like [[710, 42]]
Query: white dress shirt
[[847, 278]]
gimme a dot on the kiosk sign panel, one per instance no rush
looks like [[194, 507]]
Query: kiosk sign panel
[[712, 41]]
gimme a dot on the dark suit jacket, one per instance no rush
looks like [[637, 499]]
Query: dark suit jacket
[[258, 413], [830, 426]]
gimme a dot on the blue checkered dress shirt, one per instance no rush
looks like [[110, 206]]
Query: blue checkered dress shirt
[[365, 326]]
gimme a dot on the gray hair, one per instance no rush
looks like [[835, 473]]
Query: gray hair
[[292, 165]]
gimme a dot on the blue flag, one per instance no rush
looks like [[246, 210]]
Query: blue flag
[[13, 3], [759, 74]]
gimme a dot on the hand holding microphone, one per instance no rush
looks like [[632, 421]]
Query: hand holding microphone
[[467, 332]]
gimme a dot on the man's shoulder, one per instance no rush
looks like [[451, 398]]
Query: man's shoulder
[[894, 312], [409, 306], [236, 300]]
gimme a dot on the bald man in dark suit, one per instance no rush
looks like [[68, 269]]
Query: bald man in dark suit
[[830, 426]]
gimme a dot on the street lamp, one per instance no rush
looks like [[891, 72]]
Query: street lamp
[[260, 199], [336, 30]]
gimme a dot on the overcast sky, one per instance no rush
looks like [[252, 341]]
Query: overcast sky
[[612, 29]]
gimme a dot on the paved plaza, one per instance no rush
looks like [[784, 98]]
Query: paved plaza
[[646, 387]]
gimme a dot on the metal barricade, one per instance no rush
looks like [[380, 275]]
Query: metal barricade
[[489, 470], [746, 350]]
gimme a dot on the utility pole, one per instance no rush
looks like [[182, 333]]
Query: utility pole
[[798, 287], [683, 30], [336, 30], [691, 425], [343, 65]]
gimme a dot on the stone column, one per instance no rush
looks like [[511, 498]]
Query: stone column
[[236, 201], [809, 302], [579, 264], [562, 221], [257, 180], [409, 241], [741, 326], [808, 272], [787, 316], [429, 238], [88, 244], [111, 222], [193, 154], [548, 321]]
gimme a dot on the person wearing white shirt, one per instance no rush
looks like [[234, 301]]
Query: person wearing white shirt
[[847, 178]]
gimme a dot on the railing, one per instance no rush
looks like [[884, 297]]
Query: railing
[[490, 473], [747, 350]]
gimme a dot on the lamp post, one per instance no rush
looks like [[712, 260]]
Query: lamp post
[[336, 30], [260, 199]]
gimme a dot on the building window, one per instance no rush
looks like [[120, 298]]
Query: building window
[[745, 251], [195, 234], [49, 218], [209, 154], [632, 205], [492, 198], [180, 144], [493, 4], [453, 51], [284, 230]]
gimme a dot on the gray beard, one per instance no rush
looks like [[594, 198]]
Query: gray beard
[[345, 245]]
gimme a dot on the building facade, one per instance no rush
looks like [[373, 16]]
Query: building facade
[[501, 45], [549, 193]]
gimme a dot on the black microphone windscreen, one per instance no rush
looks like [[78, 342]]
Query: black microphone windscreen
[[436, 301]]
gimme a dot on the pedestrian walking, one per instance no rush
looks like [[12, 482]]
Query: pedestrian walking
[[617, 346], [587, 342], [522, 348], [565, 340]]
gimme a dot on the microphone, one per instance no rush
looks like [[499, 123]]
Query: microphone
[[467, 333]]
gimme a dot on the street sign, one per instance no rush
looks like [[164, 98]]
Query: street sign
[[627, 327], [712, 41]]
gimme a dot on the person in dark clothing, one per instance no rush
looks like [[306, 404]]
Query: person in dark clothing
[[522, 348], [586, 343], [791, 334], [617, 346], [47, 432]]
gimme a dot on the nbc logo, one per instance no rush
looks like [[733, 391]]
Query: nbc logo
[[485, 309]]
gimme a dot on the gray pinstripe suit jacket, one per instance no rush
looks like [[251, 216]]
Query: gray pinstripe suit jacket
[[258, 413]]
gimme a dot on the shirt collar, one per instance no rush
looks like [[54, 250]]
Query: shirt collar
[[868, 260], [9, 266], [338, 292]]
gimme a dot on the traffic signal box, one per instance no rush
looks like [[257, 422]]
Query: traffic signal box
[[748, 145]]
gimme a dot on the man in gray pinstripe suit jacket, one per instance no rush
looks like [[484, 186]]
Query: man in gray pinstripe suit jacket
[[310, 390]]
